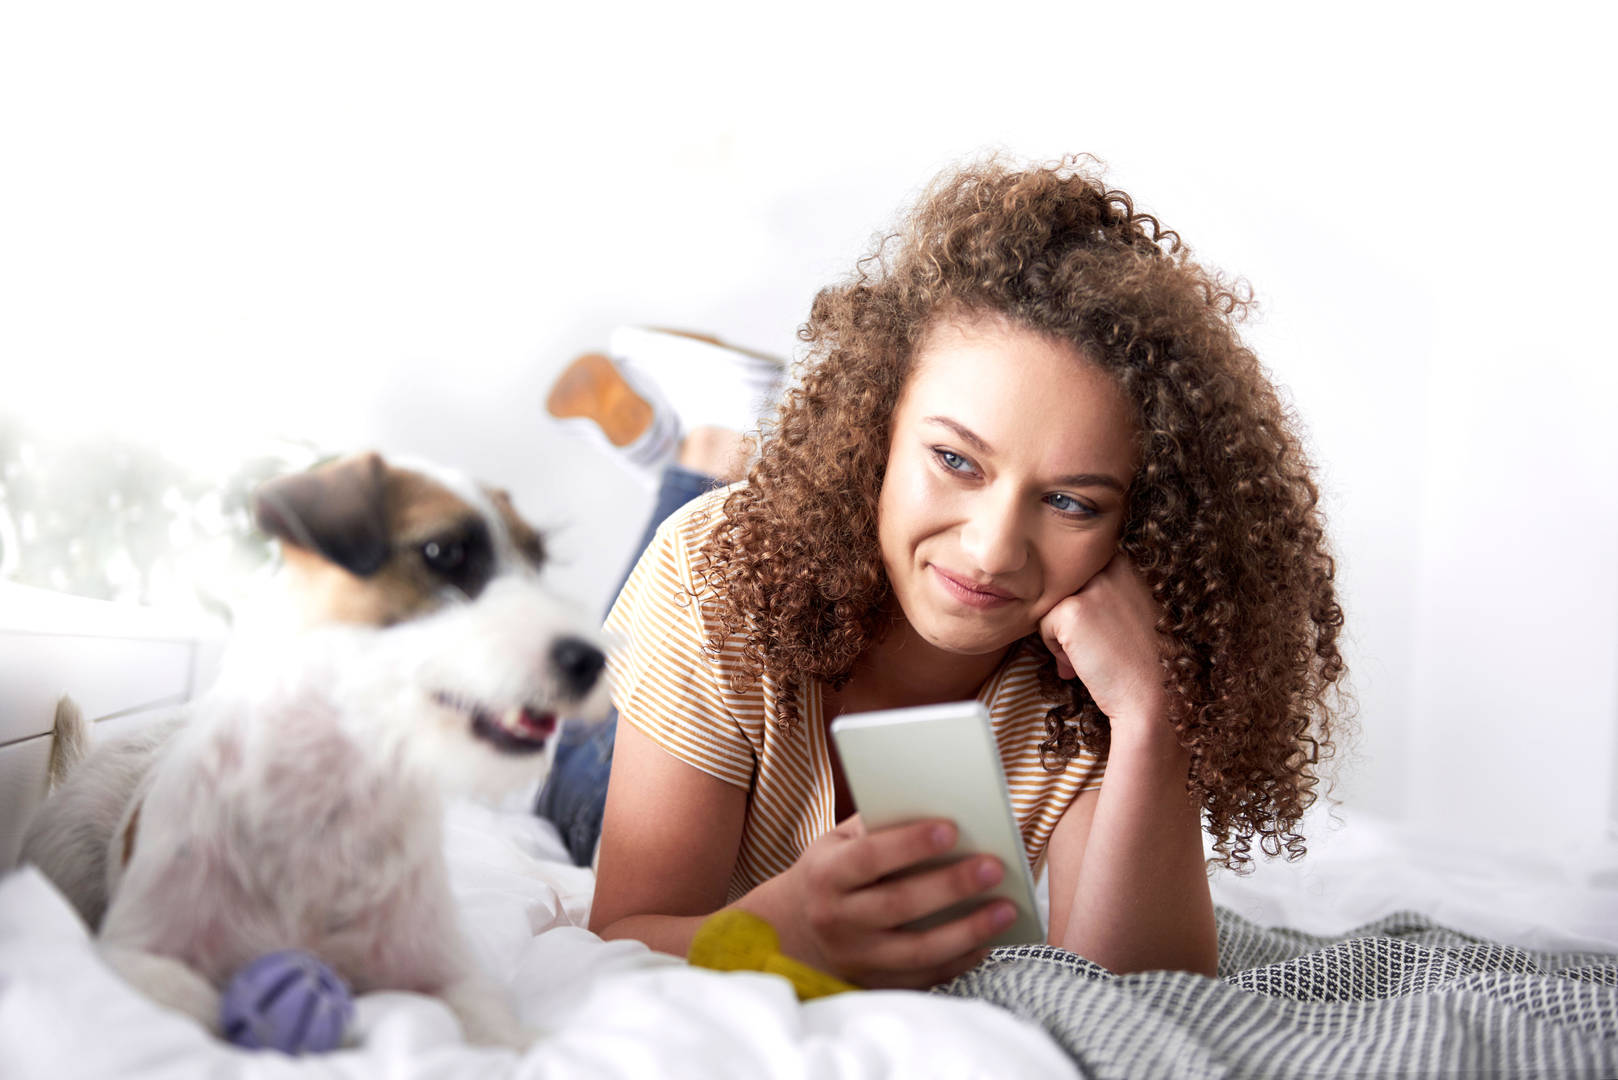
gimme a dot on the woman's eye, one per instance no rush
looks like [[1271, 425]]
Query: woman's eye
[[1067, 504], [953, 461]]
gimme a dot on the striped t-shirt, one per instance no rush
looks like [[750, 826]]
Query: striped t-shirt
[[668, 683]]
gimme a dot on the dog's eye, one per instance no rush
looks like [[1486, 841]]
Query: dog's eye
[[444, 556], [460, 557]]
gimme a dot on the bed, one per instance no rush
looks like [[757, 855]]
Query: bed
[[1383, 953], [1401, 996]]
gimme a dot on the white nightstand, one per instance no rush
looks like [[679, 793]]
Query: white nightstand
[[124, 665]]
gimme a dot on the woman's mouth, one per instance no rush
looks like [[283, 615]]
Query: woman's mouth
[[976, 596]]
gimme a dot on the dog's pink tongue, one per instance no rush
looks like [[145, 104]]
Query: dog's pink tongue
[[537, 724]]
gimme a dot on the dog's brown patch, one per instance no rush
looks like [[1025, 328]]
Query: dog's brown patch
[[413, 510], [418, 506], [528, 541], [129, 833]]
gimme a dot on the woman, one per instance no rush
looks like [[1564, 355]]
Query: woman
[[1030, 461]]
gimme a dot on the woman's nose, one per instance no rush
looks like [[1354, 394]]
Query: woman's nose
[[995, 537]]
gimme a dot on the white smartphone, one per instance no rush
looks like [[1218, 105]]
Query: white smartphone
[[940, 761]]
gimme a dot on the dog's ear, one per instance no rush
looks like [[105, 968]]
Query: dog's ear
[[337, 510], [528, 541]]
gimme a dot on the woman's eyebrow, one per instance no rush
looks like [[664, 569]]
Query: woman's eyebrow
[[974, 440], [967, 434]]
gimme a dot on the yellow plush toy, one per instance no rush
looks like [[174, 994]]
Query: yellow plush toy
[[741, 941]]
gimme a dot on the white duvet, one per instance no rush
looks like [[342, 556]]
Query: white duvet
[[617, 1009], [606, 1009], [1561, 896]]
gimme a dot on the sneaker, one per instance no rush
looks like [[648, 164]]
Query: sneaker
[[600, 402], [706, 383]]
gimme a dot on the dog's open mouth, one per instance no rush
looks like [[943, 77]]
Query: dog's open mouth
[[518, 730]]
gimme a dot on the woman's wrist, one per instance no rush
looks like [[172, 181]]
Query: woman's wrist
[[773, 901], [1140, 899], [1144, 733]]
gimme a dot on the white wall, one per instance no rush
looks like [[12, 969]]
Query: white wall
[[391, 225]]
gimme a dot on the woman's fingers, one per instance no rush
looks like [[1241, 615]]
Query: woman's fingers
[[927, 957], [925, 979], [897, 901], [1052, 630], [861, 857], [1106, 635], [861, 890]]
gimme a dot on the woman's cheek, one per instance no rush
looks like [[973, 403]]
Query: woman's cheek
[[903, 500], [1087, 562], [911, 495]]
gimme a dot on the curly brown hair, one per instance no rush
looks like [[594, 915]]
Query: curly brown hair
[[1222, 518]]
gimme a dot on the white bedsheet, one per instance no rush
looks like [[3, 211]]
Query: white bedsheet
[[1360, 867], [607, 1009], [617, 1009]]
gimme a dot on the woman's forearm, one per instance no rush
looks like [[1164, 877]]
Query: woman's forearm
[[1141, 901], [670, 934], [673, 933]]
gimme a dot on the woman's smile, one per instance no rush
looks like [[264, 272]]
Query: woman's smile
[[984, 597]]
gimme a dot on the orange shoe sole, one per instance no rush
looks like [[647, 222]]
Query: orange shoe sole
[[591, 387]]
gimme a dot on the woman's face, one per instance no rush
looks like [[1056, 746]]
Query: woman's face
[[1006, 483]]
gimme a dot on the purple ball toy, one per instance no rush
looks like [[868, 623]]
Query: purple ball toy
[[287, 1001]]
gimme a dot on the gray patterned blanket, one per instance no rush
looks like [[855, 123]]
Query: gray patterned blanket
[[1401, 997]]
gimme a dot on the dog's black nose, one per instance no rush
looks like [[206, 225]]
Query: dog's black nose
[[579, 663]]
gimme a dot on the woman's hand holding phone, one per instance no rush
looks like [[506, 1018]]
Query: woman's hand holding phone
[[852, 900]]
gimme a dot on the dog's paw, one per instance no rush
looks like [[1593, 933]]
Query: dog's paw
[[486, 1018], [166, 981], [516, 1037]]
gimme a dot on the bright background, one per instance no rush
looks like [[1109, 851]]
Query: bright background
[[391, 225]]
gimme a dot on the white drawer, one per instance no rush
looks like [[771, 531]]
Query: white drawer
[[22, 787], [105, 675], [22, 774]]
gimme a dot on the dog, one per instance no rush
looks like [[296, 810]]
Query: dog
[[411, 654]]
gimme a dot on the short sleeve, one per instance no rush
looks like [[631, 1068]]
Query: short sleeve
[[665, 680], [1039, 797]]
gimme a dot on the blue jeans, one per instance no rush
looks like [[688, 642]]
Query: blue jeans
[[575, 793]]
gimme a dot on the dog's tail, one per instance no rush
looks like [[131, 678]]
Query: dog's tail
[[72, 741]]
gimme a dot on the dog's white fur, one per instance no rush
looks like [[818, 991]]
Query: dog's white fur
[[299, 805]]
